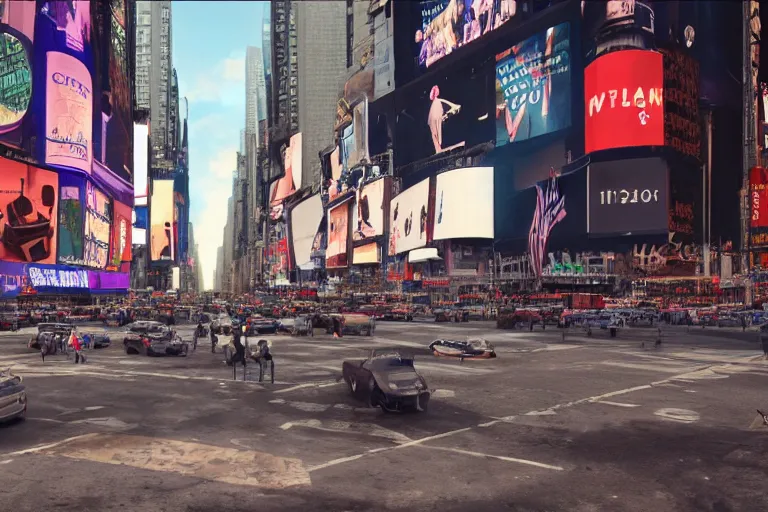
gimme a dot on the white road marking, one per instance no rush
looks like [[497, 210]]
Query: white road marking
[[110, 422], [443, 393], [335, 462], [545, 412], [302, 406], [345, 427], [678, 415], [306, 385], [3, 462], [50, 420], [617, 404], [498, 457], [49, 446]]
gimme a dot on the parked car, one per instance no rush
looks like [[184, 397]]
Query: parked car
[[470, 349], [222, 324], [388, 379], [153, 339], [98, 339], [728, 321], [47, 331], [13, 396]]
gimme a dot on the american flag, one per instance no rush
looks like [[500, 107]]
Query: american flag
[[550, 209]]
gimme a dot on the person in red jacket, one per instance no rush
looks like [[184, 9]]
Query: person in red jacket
[[77, 346]]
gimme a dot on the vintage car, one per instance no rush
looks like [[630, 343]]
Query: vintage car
[[153, 339], [99, 339], [13, 396], [298, 326], [514, 318], [387, 379], [476, 348], [221, 324], [47, 332], [257, 324], [356, 324], [451, 315]]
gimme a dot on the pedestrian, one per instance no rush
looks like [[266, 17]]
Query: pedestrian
[[743, 323], [239, 350], [76, 346], [87, 341]]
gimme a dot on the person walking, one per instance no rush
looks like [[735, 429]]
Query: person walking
[[77, 346]]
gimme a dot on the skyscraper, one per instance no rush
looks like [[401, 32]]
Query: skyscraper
[[255, 91]]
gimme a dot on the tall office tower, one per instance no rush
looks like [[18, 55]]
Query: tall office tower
[[218, 275], [174, 121], [266, 44], [255, 90], [284, 107], [154, 69]]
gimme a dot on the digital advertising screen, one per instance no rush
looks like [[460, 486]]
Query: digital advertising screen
[[140, 164], [682, 128], [162, 245], [464, 204], [624, 89], [56, 277], [758, 206], [98, 221], [71, 219], [121, 234], [366, 254], [628, 197], [305, 220], [69, 111], [533, 86], [336, 253], [291, 180], [368, 214], [28, 213], [447, 25], [409, 219], [16, 38]]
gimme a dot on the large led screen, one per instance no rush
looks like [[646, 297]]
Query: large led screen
[[368, 214], [121, 234], [336, 254], [140, 164], [98, 221], [28, 213], [305, 219], [628, 197], [71, 219], [623, 100], [758, 206], [116, 113], [409, 218], [291, 180], [69, 110], [533, 86], [366, 254], [464, 204], [161, 236], [16, 38], [447, 25]]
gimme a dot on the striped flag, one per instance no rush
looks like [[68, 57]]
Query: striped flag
[[550, 209]]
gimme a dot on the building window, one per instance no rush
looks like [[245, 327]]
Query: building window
[[350, 31]]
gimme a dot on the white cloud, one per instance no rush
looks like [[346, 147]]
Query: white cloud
[[224, 84]]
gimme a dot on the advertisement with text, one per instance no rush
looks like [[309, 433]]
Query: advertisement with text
[[161, 236], [464, 204], [98, 221], [121, 234], [533, 86], [758, 207], [336, 254], [409, 218], [16, 61], [628, 197], [28, 213], [71, 219], [623, 100], [368, 214]]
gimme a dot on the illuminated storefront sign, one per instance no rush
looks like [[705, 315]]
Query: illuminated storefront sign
[[56, 277]]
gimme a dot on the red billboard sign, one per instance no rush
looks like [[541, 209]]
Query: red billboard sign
[[623, 100], [758, 206]]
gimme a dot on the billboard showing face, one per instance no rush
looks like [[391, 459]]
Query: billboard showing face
[[28, 213], [98, 220], [305, 219], [338, 233], [161, 239], [408, 219], [450, 24], [15, 67], [291, 181], [121, 234], [628, 196], [533, 86], [623, 100], [368, 215], [69, 111], [464, 204], [71, 219]]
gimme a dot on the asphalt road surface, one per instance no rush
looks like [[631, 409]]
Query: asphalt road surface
[[574, 424]]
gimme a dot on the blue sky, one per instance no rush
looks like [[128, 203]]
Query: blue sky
[[209, 41]]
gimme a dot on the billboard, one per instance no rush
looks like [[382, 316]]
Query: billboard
[[121, 234], [71, 219], [366, 254], [369, 211], [464, 204], [624, 89], [338, 235], [447, 25], [98, 221], [758, 207], [628, 197], [682, 129], [28, 213], [109, 280], [56, 277], [305, 219], [533, 86], [18, 24], [140, 164], [291, 180], [162, 245], [408, 219]]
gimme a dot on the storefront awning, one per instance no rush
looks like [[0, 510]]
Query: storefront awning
[[422, 255]]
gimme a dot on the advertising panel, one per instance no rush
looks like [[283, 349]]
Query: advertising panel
[[464, 204], [278, 256], [17, 20], [71, 219], [368, 215], [291, 180], [28, 213], [758, 207], [140, 164], [305, 219], [682, 130], [57, 277], [533, 86], [628, 197], [338, 234], [624, 89], [408, 219], [366, 254], [162, 244], [69, 111], [109, 280], [98, 220], [121, 234], [13, 280], [447, 25]]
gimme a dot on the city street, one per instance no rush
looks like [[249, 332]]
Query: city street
[[576, 423]]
